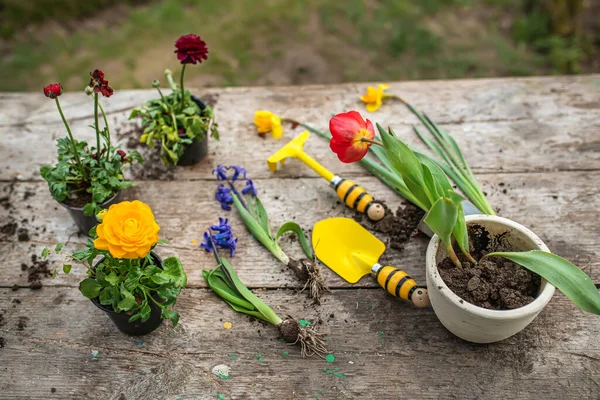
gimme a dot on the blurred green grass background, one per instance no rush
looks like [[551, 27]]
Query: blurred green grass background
[[294, 41]]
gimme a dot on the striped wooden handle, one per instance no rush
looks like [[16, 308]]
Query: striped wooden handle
[[397, 283], [356, 197]]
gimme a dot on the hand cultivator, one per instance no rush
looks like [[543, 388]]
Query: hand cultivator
[[349, 192]]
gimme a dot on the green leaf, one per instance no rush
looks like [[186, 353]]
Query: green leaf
[[89, 209], [132, 278], [90, 288], [58, 247], [112, 278], [174, 270], [573, 282], [106, 296], [261, 216], [460, 230], [66, 268], [145, 311], [170, 315], [441, 218], [160, 278], [45, 252], [128, 300], [294, 227]]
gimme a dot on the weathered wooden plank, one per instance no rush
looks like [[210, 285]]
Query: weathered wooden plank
[[561, 207], [493, 99], [523, 125], [383, 350]]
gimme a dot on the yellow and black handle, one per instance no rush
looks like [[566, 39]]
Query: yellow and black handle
[[397, 283], [356, 197]]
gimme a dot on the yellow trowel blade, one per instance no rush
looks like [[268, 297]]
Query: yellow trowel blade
[[346, 247]]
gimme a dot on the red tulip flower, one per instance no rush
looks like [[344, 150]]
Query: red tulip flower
[[99, 84], [191, 49], [53, 90], [351, 136], [122, 154]]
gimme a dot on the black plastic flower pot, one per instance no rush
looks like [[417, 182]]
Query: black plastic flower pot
[[135, 328], [84, 222], [197, 150]]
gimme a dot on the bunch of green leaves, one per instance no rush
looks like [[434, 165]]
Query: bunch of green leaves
[[96, 179], [431, 187], [452, 161], [255, 218], [225, 283], [127, 285], [174, 124]]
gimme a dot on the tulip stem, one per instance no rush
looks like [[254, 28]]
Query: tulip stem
[[181, 87], [377, 142], [96, 126], [75, 152]]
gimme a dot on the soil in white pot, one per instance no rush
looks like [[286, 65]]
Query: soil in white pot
[[496, 283]]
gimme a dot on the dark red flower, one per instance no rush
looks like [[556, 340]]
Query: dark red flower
[[100, 85], [191, 49], [347, 133], [53, 90], [122, 154]]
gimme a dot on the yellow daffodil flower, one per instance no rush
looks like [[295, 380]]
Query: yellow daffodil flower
[[266, 121], [374, 97]]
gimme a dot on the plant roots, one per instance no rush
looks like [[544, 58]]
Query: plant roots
[[309, 273], [311, 341]]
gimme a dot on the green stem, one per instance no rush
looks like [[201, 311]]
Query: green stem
[[452, 255], [96, 126], [181, 87], [107, 132], [75, 152]]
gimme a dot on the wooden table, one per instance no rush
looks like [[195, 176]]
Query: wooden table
[[534, 144]]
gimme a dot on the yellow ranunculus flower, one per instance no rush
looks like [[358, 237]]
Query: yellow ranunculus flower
[[128, 230], [266, 122], [101, 215], [374, 97]]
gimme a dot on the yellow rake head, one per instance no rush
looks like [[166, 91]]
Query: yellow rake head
[[294, 148]]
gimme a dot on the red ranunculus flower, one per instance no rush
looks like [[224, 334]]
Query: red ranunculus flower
[[100, 85], [122, 154], [53, 90], [191, 49], [347, 131]]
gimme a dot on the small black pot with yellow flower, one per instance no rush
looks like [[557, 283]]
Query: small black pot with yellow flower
[[87, 178], [129, 282], [178, 122]]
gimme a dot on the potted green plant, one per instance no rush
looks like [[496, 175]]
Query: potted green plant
[[125, 278], [493, 297], [179, 122], [87, 178]]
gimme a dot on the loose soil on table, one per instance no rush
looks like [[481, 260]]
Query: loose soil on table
[[399, 226], [496, 283]]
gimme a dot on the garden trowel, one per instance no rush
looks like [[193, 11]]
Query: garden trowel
[[352, 252]]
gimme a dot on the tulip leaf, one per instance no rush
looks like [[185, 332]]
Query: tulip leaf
[[568, 278], [294, 227], [441, 218]]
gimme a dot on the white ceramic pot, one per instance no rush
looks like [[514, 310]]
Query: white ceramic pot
[[477, 324]]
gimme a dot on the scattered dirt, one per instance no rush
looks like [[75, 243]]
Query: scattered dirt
[[22, 324], [9, 228], [37, 271], [399, 226], [495, 283], [153, 167], [2, 342]]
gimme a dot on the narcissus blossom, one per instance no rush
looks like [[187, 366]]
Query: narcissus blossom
[[374, 97], [99, 84], [266, 121], [349, 132], [53, 90], [191, 49]]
